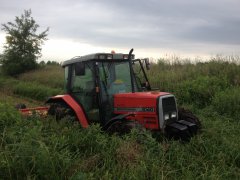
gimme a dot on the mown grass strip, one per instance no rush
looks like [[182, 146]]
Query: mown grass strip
[[35, 91], [31, 90]]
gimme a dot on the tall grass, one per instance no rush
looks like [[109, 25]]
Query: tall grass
[[195, 83], [227, 102], [44, 149], [165, 75]]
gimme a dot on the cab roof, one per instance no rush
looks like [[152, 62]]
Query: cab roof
[[97, 57]]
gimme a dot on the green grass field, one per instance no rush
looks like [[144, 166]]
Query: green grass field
[[36, 148]]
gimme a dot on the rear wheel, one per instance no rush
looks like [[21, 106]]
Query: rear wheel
[[61, 110]]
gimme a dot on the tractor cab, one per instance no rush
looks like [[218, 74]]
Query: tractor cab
[[94, 79]]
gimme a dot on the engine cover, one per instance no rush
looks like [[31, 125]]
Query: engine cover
[[144, 106]]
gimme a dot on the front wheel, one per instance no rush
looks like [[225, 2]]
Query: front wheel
[[123, 126], [185, 127], [187, 115]]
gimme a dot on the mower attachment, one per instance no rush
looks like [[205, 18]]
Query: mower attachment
[[41, 111]]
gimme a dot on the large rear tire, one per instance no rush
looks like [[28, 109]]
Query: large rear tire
[[61, 110]]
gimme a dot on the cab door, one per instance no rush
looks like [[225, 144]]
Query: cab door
[[83, 89]]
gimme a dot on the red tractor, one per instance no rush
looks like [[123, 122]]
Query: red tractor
[[113, 89]]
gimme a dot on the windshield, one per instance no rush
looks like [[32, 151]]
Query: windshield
[[115, 77], [140, 76]]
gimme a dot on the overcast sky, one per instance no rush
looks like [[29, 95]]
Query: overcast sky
[[154, 28]]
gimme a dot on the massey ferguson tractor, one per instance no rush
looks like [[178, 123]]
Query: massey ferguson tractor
[[113, 89]]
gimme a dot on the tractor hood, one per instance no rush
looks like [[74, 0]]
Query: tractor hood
[[137, 102], [137, 95]]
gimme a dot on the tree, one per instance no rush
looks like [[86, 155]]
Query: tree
[[23, 44]]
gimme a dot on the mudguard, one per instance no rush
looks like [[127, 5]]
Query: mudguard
[[72, 104]]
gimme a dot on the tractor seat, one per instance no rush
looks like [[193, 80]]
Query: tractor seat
[[118, 86]]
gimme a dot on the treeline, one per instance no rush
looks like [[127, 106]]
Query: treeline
[[43, 63]]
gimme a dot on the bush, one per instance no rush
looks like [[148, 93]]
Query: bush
[[228, 102], [1, 83], [8, 117]]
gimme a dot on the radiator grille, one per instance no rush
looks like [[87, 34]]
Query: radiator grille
[[167, 110], [168, 105]]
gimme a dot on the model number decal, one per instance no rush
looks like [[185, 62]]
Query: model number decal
[[148, 109], [144, 109]]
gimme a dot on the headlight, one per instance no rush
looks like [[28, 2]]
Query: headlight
[[166, 116], [174, 115]]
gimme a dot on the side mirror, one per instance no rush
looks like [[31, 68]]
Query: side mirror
[[147, 63], [79, 69]]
